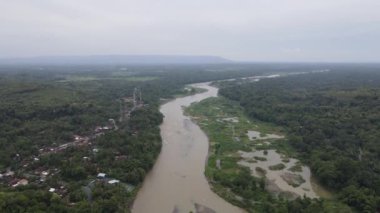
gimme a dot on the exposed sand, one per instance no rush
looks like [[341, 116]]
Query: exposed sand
[[255, 135], [277, 176]]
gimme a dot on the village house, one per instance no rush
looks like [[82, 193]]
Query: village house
[[21, 182], [101, 175], [113, 181]]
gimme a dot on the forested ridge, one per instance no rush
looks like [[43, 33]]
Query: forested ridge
[[333, 121]]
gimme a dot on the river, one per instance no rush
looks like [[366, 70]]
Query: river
[[177, 182]]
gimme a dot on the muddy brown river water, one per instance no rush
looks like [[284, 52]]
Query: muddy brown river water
[[177, 182]]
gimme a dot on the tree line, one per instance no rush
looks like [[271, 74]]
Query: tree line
[[332, 121]]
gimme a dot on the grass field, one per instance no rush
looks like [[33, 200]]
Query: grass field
[[75, 78]]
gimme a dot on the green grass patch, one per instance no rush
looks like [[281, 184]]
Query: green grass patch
[[261, 171], [296, 168], [231, 181], [140, 78], [84, 78], [294, 180], [279, 166], [260, 158], [186, 91]]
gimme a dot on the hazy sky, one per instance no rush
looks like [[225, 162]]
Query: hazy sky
[[253, 30]]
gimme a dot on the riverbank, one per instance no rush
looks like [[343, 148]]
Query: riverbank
[[242, 151]]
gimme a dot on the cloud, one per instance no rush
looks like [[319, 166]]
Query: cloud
[[257, 30]]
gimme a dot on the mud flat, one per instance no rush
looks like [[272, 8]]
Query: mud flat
[[255, 135], [279, 179]]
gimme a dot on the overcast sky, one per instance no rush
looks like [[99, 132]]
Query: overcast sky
[[249, 30]]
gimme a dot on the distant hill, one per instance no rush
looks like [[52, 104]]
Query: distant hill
[[118, 59]]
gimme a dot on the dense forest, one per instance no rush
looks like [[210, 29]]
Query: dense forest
[[332, 119], [64, 148]]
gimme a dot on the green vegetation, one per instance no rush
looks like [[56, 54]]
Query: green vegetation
[[332, 120], [189, 91], [259, 158], [294, 180], [209, 115], [37, 116], [118, 76], [261, 171], [297, 167], [279, 166], [43, 109], [232, 181]]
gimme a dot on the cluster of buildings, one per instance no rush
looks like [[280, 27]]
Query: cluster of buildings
[[31, 174], [81, 140], [38, 176], [9, 178]]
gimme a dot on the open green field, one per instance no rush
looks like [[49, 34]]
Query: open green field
[[75, 78], [226, 126]]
